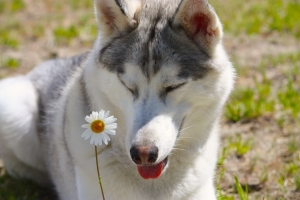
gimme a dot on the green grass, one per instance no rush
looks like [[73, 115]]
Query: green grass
[[263, 98], [11, 32], [293, 145], [221, 196], [15, 189], [297, 181], [38, 31], [6, 39], [281, 182], [11, 63], [237, 146], [243, 193], [291, 169], [223, 156], [289, 99], [12, 6], [240, 145], [21, 189], [259, 17], [251, 102], [263, 178], [81, 4], [272, 95], [63, 34]]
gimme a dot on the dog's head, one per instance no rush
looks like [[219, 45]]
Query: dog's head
[[161, 63]]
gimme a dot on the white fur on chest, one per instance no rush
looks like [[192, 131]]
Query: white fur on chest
[[120, 179]]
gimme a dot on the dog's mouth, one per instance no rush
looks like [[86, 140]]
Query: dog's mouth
[[152, 171]]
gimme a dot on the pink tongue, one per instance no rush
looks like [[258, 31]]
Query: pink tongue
[[153, 171]]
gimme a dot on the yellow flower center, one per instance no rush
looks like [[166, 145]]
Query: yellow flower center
[[97, 126]]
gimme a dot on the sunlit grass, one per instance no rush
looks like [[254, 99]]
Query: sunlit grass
[[289, 99], [6, 39], [11, 6], [81, 4], [273, 95], [13, 189], [259, 17], [297, 181], [65, 34], [264, 98], [251, 102], [242, 192], [240, 145], [10, 63]]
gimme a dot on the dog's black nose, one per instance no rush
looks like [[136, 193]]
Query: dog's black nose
[[144, 155]]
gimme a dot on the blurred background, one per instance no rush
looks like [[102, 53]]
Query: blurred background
[[260, 153]]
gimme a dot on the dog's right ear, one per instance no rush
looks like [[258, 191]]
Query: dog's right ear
[[116, 16], [200, 22]]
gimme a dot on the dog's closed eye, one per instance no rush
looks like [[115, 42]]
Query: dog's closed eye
[[130, 87], [133, 91], [171, 88]]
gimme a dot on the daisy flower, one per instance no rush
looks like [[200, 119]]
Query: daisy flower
[[100, 126]]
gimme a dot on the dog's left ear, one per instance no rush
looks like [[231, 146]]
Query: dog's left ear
[[200, 23], [116, 16]]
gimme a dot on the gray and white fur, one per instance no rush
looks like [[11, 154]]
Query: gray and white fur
[[159, 67]]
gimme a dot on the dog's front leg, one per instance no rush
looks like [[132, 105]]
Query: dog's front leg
[[206, 192], [87, 184]]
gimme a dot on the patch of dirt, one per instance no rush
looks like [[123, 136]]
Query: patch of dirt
[[262, 167], [259, 168], [248, 51]]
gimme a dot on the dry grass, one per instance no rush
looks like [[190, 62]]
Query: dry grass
[[260, 139]]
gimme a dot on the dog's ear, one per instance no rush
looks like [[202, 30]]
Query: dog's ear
[[200, 23], [116, 16]]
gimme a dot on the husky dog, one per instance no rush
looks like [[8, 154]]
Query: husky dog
[[160, 68]]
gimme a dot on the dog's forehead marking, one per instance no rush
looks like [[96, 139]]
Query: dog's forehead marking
[[167, 76], [153, 44]]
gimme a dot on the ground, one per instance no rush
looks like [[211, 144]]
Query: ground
[[260, 153]]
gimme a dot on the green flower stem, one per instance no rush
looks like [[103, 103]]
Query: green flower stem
[[98, 170]]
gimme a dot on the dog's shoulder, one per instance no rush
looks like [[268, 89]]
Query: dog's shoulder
[[51, 76]]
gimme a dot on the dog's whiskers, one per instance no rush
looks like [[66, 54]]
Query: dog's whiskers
[[185, 128], [187, 139], [180, 149]]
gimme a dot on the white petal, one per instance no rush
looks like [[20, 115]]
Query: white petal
[[95, 115], [89, 119], [96, 140], [111, 132], [106, 114], [110, 117], [109, 120], [92, 139], [86, 126], [101, 114], [106, 136], [111, 126], [105, 142], [86, 134], [99, 139]]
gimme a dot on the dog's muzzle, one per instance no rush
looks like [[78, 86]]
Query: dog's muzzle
[[145, 158]]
